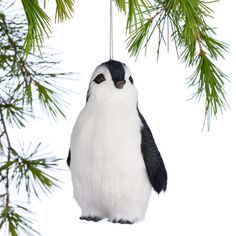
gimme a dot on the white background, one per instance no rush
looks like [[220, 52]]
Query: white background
[[201, 194]]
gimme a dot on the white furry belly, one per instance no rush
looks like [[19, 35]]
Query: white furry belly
[[108, 171]]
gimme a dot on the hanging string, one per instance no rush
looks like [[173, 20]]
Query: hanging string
[[111, 31]]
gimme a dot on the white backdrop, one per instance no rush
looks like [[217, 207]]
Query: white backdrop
[[201, 193]]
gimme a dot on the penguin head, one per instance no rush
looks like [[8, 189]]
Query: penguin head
[[110, 79]]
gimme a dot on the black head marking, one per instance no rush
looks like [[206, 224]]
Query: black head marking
[[116, 69]]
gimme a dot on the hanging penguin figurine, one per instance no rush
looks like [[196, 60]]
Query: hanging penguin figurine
[[113, 158]]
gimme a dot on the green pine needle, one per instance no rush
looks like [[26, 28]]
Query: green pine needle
[[135, 9], [64, 10], [210, 82], [49, 99], [121, 4], [137, 38], [32, 170], [194, 40], [38, 25], [39, 22], [14, 218]]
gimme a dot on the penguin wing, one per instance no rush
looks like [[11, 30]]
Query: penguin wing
[[68, 158], [152, 158]]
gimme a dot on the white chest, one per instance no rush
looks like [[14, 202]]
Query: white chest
[[107, 133]]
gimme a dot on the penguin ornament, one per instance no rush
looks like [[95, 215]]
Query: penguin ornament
[[113, 158]]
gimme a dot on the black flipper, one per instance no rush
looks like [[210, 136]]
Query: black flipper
[[68, 158], [154, 164]]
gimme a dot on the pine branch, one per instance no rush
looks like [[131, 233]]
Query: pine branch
[[9, 147], [31, 170], [38, 25], [194, 41], [210, 82], [39, 21], [31, 82], [13, 216], [23, 80]]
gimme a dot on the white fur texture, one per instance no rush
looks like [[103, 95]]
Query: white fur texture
[[108, 171]]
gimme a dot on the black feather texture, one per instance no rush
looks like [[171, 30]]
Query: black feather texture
[[116, 69], [154, 164], [68, 158]]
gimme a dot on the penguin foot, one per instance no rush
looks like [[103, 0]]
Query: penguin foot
[[90, 218], [121, 221]]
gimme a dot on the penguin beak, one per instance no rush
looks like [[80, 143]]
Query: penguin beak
[[120, 84]]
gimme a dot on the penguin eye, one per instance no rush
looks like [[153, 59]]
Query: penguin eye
[[131, 80], [99, 79]]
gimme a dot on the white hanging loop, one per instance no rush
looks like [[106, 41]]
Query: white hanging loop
[[111, 30]]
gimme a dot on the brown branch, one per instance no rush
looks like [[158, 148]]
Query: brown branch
[[199, 42], [8, 156]]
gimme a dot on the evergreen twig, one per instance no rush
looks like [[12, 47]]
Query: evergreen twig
[[39, 22], [195, 44], [23, 81]]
